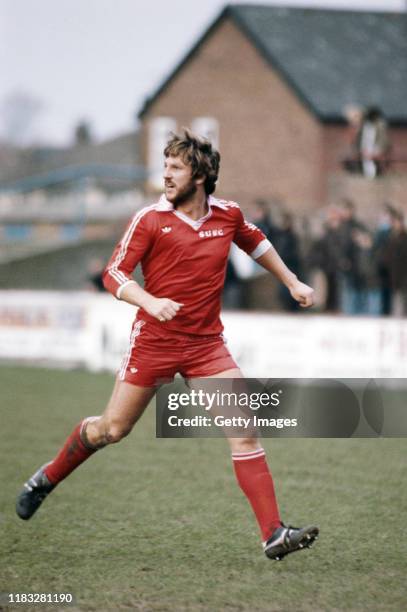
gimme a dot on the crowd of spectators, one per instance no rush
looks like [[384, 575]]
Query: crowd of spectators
[[364, 269]]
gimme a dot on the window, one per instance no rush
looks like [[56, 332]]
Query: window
[[208, 127], [160, 130]]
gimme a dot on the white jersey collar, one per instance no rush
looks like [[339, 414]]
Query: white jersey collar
[[165, 205]]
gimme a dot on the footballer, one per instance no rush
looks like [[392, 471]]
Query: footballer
[[182, 242]]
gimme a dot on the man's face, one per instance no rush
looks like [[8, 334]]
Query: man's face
[[178, 182]]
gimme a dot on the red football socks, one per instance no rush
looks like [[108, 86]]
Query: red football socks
[[254, 478], [72, 454]]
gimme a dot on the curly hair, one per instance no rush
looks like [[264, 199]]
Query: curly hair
[[197, 152]]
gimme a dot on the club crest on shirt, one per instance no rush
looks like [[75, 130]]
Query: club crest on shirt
[[210, 233], [166, 229]]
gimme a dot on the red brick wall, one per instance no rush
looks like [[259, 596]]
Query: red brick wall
[[271, 145]]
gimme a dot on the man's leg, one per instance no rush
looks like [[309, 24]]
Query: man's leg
[[125, 407], [256, 482], [253, 475]]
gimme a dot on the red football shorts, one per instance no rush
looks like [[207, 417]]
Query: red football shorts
[[155, 355]]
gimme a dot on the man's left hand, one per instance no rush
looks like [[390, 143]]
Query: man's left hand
[[303, 294]]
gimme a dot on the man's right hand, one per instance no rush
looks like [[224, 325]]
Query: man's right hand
[[162, 309]]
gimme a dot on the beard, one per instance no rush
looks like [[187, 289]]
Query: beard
[[182, 195]]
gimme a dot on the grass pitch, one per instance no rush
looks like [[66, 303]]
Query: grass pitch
[[161, 525]]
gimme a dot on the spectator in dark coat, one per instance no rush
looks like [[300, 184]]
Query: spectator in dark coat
[[324, 255], [350, 275], [396, 258], [260, 215], [380, 241], [287, 243]]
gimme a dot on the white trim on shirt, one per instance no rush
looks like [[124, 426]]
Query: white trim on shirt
[[261, 248], [120, 289]]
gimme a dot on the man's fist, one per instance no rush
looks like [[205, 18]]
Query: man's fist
[[162, 309], [303, 294]]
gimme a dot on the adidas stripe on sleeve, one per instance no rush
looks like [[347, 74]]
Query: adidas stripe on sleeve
[[136, 241], [250, 238]]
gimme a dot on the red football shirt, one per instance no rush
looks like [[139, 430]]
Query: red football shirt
[[183, 260]]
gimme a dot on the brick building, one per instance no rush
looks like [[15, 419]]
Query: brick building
[[270, 84]]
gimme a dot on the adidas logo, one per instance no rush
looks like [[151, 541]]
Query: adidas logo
[[166, 229]]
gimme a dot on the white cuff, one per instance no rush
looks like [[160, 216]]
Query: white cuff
[[120, 289], [261, 248]]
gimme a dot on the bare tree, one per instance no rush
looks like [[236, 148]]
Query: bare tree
[[20, 111]]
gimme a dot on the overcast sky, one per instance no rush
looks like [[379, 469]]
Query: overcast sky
[[99, 59]]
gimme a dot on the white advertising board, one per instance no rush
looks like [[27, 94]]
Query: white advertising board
[[92, 330]]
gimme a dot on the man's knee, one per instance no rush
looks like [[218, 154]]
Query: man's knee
[[244, 445], [114, 432], [98, 432]]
